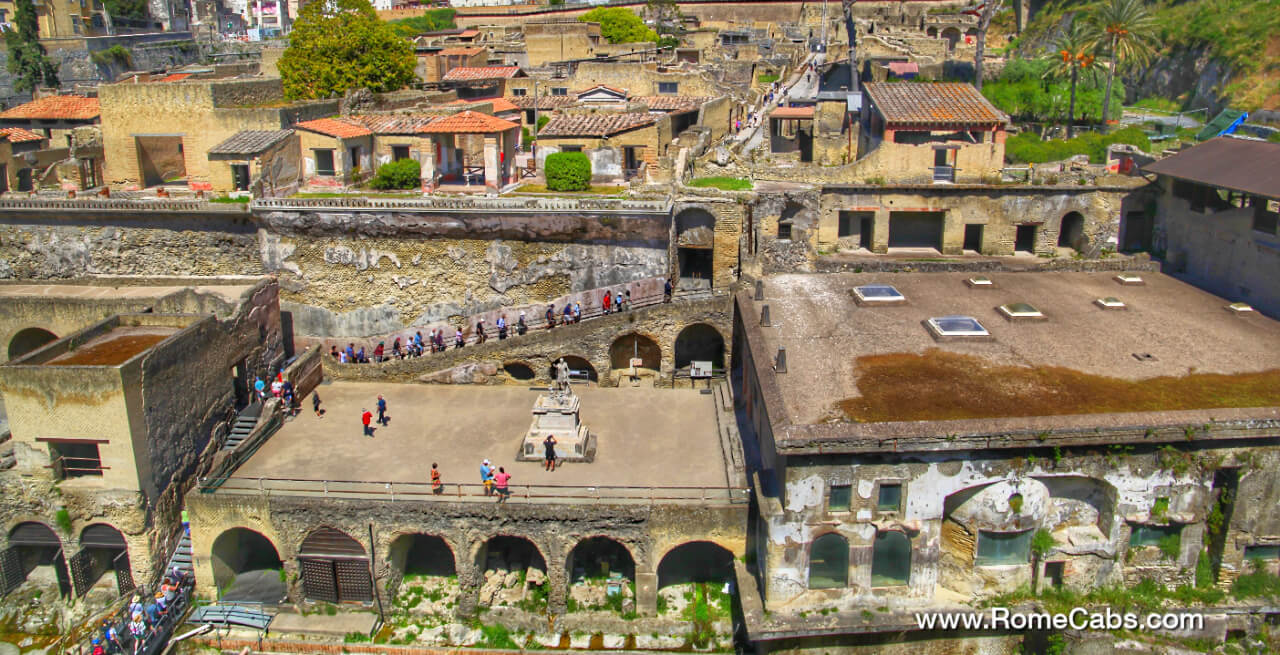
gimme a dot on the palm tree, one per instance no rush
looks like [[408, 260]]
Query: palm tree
[[1072, 53], [1125, 29]]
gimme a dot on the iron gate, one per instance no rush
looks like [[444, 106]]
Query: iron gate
[[10, 569], [60, 567], [337, 580], [353, 580], [124, 574], [81, 571], [318, 580]]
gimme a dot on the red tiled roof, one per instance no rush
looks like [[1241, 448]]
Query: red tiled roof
[[671, 103], [464, 73], [467, 52], [903, 67], [792, 112], [500, 105], [933, 103], [597, 125], [543, 102], [173, 77], [70, 107], [468, 34], [19, 135], [621, 92], [468, 122], [336, 127], [394, 123]]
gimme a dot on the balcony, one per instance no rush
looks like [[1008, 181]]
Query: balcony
[[944, 174]]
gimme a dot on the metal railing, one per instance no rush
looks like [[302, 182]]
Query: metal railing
[[446, 203], [459, 492], [83, 466], [944, 174]]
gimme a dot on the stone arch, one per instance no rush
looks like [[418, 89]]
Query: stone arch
[[247, 566], [699, 341], [29, 339], [972, 32], [103, 548], [952, 37], [829, 562], [1071, 231], [576, 363], [519, 370], [634, 344], [932, 32], [695, 245], [418, 553], [335, 567], [35, 545], [1073, 498], [695, 561], [890, 559], [598, 557], [500, 560]]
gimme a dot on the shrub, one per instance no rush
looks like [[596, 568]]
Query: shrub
[[568, 171], [1028, 147], [403, 174], [767, 78], [542, 121], [63, 519], [1170, 546], [722, 183], [1042, 542], [116, 54]]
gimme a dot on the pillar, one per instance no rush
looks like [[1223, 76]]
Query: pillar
[[491, 181], [646, 594], [880, 233], [428, 174]]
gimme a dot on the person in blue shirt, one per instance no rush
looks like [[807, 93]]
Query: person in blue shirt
[[382, 410], [486, 477], [502, 327]]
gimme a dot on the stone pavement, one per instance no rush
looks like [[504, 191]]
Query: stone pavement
[[339, 624]]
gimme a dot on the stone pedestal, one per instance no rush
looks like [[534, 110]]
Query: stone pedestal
[[557, 416]]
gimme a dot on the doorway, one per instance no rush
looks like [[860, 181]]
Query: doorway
[[866, 224], [1054, 572], [240, 382], [1024, 238], [916, 230], [631, 161], [973, 237]]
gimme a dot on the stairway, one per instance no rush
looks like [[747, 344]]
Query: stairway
[[240, 429], [182, 557]]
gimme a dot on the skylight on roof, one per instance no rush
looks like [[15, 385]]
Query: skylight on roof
[[1110, 302], [877, 294], [1020, 311], [1239, 307], [957, 327], [980, 282], [1129, 279]]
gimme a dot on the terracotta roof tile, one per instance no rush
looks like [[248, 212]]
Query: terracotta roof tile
[[600, 124], [466, 34], [933, 102], [468, 122], [19, 135], [173, 77], [69, 107], [621, 92], [671, 103], [393, 123], [543, 102], [792, 112], [250, 142], [499, 104], [465, 73], [464, 52], [341, 128]]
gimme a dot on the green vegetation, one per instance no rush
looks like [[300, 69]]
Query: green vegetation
[[230, 200], [1204, 571], [1028, 147], [1148, 595], [1027, 90], [1073, 55], [433, 20], [28, 61], [542, 121], [722, 183], [342, 45], [1042, 542], [135, 9], [1124, 30], [1256, 584], [116, 54], [1274, 137], [355, 638], [1163, 105], [1160, 509], [496, 636], [767, 78], [63, 520], [1170, 546], [618, 25], [403, 174], [568, 171]]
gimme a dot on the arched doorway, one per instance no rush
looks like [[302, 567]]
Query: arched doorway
[[635, 345], [829, 562], [28, 340], [518, 370], [698, 570], [700, 342], [514, 574], [102, 549], [247, 568], [932, 32], [335, 568], [1071, 232], [33, 552], [602, 575], [578, 366], [952, 36], [428, 576], [890, 559], [695, 245]]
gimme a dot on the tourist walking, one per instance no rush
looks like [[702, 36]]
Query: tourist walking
[[551, 316], [549, 452], [521, 326], [606, 302], [577, 312], [502, 327], [315, 404], [378, 352], [500, 480], [437, 487], [382, 411], [480, 335], [458, 340], [486, 477], [666, 290], [260, 389], [366, 417]]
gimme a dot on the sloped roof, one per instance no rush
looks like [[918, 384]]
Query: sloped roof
[[1244, 165], [19, 135], [903, 67], [69, 107], [336, 127], [173, 77], [250, 142], [1221, 124], [597, 125], [499, 104], [464, 52], [394, 123], [933, 102], [792, 112], [606, 87], [675, 104], [543, 102], [468, 122], [466, 73]]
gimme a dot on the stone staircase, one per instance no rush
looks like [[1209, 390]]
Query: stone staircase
[[243, 425], [181, 558]]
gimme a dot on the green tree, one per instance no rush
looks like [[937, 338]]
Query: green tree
[[1042, 542], [431, 20], [618, 25], [338, 45], [567, 171], [1124, 28], [126, 8], [27, 58], [1072, 53]]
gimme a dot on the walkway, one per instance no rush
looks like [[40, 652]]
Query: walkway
[[800, 86]]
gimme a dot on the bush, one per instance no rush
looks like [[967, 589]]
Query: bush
[[767, 78], [1023, 92], [403, 174], [542, 121], [568, 171], [619, 25], [722, 183], [1028, 147], [116, 54]]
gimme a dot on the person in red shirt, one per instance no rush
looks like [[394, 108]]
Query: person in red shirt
[[367, 417], [604, 304], [500, 483]]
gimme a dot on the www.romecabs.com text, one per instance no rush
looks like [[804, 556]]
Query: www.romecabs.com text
[[1079, 618]]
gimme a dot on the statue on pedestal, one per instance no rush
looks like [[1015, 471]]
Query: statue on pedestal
[[560, 388]]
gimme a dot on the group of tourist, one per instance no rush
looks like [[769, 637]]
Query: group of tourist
[[495, 481], [280, 389], [130, 629], [437, 339]]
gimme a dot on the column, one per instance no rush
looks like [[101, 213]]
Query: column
[[646, 594], [427, 158], [491, 174]]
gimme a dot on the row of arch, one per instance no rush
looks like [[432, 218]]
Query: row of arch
[[696, 342], [335, 567], [31, 545], [890, 560]]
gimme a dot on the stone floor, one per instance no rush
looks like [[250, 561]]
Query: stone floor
[[659, 437]]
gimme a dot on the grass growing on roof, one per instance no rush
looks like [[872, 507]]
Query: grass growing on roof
[[939, 385], [723, 183]]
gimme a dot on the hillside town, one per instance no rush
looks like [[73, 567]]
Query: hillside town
[[941, 327]]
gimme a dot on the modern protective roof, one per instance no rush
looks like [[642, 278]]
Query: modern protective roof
[[468, 122], [919, 103], [468, 73], [335, 127], [250, 142], [1244, 165], [69, 107], [595, 125]]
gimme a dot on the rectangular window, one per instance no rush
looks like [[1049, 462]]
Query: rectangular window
[[1003, 548], [559, 90], [520, 92], [570, 148], [839, 498], [1262, 552], [668, 88], [240, 176], [889, 498], [784, 231], [399, 152], [73, 459], [1150, 535], [324, 162]]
